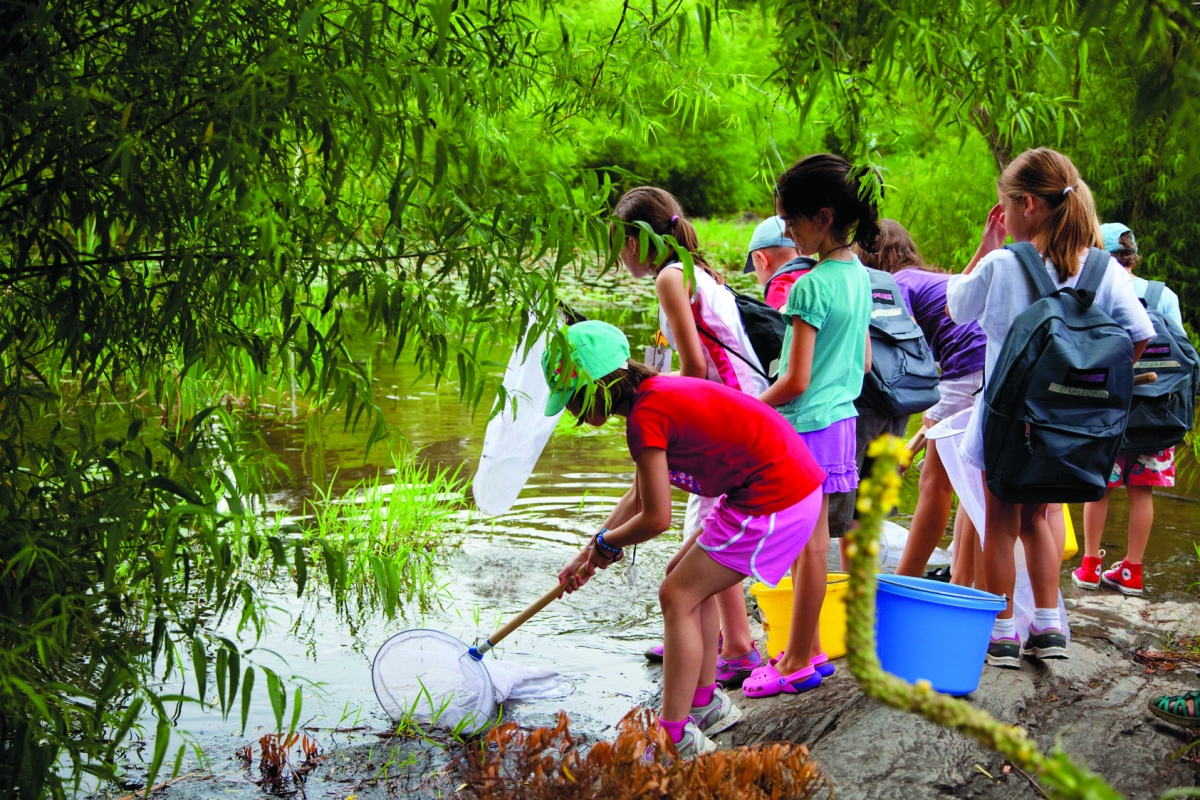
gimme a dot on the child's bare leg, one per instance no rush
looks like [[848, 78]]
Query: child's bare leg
[[1056, 516], [731, 608], [1141, 518], [1043, 554], [690, 643], [929, 518], [1094, 515], [966, 542], [734, 622], [1000, 570], [809, 578]]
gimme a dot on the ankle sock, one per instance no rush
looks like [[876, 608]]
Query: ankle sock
[[1044, 618], [1006, 628], [703, 695], [673, 729]]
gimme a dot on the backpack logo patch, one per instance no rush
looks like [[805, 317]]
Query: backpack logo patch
[[1157, 350], [883, 297], [1087, 378]]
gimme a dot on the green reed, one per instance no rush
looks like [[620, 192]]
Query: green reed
[[382, 539]]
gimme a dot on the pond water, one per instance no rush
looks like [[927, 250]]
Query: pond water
[[495, 567]]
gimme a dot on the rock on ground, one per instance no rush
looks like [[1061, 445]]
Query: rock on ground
[[1094, 704]]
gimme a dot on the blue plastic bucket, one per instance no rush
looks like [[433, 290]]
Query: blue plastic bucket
[[934, 631]]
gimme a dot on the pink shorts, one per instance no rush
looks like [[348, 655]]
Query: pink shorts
[[762, 547], [1144, 469]]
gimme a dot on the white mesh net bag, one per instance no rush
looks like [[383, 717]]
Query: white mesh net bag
[[428, 677]]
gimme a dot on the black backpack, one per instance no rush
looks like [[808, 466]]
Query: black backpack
[[764, 328], [904, 377], [1057, 401], [1162, 412]]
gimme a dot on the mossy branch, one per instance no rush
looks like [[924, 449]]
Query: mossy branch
[[877, 494]]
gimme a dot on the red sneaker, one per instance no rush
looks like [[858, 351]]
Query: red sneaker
[[1124, 577], [1088, 576]]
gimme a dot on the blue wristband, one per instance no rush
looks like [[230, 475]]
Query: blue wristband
[[608, 551]]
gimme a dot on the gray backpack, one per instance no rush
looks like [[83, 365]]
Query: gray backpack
[[1162, 412], [904, 377], [1057, 403]]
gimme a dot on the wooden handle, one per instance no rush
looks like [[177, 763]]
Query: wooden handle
[[531, 609], [1144, 378]]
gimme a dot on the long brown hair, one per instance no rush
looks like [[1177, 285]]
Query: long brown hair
[[825, 180], [661, 211], [1071, 224], [894, 250]]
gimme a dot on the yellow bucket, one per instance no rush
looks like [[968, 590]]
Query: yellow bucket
[[776, 605], [1071, 544]]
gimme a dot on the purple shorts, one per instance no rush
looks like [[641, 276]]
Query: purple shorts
[[833, 449], [762, 547]]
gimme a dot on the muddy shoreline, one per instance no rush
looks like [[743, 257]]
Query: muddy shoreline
[[1094, 704]]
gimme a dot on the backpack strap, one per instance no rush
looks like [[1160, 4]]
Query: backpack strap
[[795, 265], [732, 351], [1092, 275], [1035, 267], [1154, 294]]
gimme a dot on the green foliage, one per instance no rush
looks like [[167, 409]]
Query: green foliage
[[198, 201]]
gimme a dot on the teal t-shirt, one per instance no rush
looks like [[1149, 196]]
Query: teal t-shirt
[[835, 298]]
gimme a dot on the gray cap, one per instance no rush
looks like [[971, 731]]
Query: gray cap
[[769, 233]]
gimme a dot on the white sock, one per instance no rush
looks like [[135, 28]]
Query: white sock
[[1044, 618], [1004, 628]]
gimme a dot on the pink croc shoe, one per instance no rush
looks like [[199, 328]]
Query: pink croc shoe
[[767, 682]]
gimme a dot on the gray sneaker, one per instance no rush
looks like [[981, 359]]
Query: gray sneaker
[[694, 742], [720, 714]]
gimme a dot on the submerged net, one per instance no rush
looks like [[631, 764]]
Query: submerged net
[[427, 677]]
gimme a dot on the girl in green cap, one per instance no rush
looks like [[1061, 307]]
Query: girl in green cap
[[707, 439]]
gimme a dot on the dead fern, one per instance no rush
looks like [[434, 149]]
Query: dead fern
[[545, 763], [277, 775]]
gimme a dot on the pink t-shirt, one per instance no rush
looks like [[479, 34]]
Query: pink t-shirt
[[722, 442]]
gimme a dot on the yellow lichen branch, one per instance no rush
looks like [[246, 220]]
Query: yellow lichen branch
[[877, 495]]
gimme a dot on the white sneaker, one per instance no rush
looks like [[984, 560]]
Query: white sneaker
[[719, 715], [694, 742]]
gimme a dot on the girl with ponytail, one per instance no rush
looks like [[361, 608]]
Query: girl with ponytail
[[826, 353], [700, 322], [1044, 201]]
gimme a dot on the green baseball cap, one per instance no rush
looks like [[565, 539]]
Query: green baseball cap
[[597, 349]]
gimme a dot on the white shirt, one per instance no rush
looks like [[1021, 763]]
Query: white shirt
[[998, 290], [1168, 303], [715, 307]]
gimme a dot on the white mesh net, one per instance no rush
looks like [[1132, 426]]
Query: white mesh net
[[426, 676]]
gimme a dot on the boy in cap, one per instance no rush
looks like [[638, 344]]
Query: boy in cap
[[775, 261], [1139, 473]]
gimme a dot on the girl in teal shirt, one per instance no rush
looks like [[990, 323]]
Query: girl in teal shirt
[[826, 352]]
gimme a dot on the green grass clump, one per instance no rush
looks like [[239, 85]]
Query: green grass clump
[[383, 538]]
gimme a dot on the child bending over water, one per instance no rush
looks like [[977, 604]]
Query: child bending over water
[[707, 439]]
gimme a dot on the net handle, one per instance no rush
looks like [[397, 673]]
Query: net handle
[[546, 599], [498, 636]]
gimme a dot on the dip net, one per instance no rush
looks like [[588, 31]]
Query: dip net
[[427, 677]]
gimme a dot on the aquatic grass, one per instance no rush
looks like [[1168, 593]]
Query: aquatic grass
[[382, 540]]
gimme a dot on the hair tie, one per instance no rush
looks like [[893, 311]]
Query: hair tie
[[1068, 189], [674, 219]]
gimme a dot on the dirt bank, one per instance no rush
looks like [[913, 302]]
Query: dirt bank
[[1094, 704]]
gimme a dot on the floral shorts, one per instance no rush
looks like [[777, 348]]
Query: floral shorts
[[1144, 469]]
